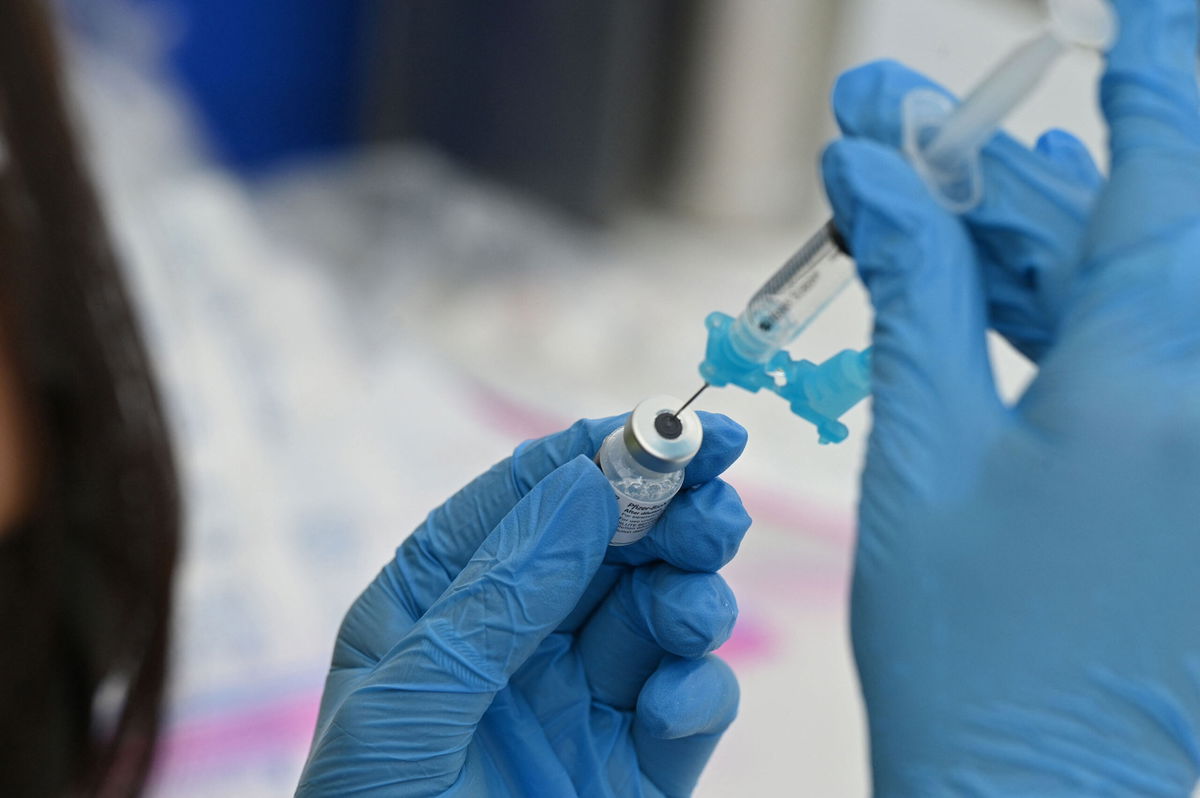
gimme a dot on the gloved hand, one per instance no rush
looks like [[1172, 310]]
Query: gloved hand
[[1025, 611], [507, 650], [1029, 229]]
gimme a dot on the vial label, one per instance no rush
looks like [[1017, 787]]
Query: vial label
[[636, 519]]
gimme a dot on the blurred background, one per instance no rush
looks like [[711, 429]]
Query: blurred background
[[377, 244]]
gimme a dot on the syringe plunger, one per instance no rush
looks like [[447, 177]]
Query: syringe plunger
[[942, 139]]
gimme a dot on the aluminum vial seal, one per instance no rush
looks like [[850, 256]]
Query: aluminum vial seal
[[660, 445]]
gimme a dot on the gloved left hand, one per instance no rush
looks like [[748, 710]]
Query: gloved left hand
[[507, 650]]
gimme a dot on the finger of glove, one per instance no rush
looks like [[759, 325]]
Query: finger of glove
[[1071, 155], [701, 530], [425, 565], [441, 546], [1148, 92], [723, 443], [1030, 225], [1030, 232], [423, 700], [1150, 100], [931, 377], [654, 610], [682, 712], [1140, 262]]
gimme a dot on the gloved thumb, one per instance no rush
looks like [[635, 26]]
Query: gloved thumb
[[931, 377], [413, 717]]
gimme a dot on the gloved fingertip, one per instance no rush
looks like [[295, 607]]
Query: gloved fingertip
[[720, 425], [532, 460], [1149, 91], [1154, 35], [867, 99], [695, 615], [869, 186], [836, 161], [1068, 152], [854, 92], [1056, 142], [588, 484], [702, 529], [689, 697], [576, 500], [724, 441]]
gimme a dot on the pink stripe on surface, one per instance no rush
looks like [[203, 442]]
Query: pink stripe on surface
[[512, 416], [812, 586], [750, 642], [808, 520], [217, 742]]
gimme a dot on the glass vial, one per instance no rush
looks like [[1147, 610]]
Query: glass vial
[[644, 462]]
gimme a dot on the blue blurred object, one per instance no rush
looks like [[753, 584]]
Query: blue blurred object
[[565, 101], [1024, 602], [562, 100], [506, 650], [724, 364], [820, 394], [750, 351], [272, 78]]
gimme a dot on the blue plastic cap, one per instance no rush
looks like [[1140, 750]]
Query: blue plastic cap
[[839, 383], [724, 365], [822, 394]]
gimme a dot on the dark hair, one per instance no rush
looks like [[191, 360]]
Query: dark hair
[[85, 582]]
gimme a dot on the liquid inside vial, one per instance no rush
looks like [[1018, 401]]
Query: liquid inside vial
[[634, 481]]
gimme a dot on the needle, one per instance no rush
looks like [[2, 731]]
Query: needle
[[703, 388]]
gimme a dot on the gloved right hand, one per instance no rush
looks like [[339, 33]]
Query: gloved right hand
[[1025, 605]]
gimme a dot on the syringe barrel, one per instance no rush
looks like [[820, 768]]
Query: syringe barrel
[[740, 350], [794, 296], [826, 243]]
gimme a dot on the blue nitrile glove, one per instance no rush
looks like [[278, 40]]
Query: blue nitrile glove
[[1025, 611], [1028, 230], [508, 651]]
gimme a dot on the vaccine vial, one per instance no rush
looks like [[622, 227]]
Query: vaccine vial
[[644, 462]]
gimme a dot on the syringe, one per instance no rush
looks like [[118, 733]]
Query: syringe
[[943, 141], [750, 351]]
